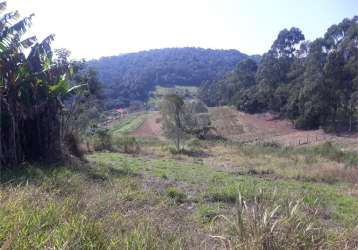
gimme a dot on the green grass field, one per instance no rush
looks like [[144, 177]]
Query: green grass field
[[214, 184], [128, 124]]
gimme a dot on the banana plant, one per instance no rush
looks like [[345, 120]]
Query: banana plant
[[32, 89]]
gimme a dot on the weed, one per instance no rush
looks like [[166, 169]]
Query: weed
[[223, 193], [131, 123], [208, 212], [275, 225], [176, 195], [126, 144], [102, 140], [72, 142]]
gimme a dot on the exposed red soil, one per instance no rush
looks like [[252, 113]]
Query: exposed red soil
[[236, 125], [151, 127], [239, 126]]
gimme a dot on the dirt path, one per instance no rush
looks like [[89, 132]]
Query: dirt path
[[150, 128]]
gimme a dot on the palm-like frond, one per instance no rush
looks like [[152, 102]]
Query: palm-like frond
[[10, 34], [8, 18], [28, 42], [3, 6], [40, 56], [18, 28]]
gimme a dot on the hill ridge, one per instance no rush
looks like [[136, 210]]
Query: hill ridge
[[130, 77]]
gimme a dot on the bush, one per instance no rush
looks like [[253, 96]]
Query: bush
[[333, 153], [226, 193], [268, 223], [158, 120], [72, 142], [271, 144], [175, 194], [194, 145], [102, 140], [207, 213], [125, 144], [306, 122]]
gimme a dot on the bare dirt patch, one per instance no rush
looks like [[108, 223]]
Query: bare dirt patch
[[261, 128], [239, 126], [151, 128]]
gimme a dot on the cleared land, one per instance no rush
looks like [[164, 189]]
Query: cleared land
[[239, 126], [261, 128]]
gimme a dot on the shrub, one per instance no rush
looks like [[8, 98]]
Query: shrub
[[207, 213], [158, 120], [125, 144], [194, 145], [267, 223], [328, 150], [331, 152], [175, 194], [222, 193], [174, 151], [271, 144], [72, 142], [102, 140]]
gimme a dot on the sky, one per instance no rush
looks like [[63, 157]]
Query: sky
[[91, 29]]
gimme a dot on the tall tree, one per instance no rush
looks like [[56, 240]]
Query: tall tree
[[275, 66], [314, 84], [172, 111]]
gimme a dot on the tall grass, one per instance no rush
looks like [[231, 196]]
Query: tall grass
[[269, 223], [63, 208], [326, 150]]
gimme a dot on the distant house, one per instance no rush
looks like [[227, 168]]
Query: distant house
[[122, 112]]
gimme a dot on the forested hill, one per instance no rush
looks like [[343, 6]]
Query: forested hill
[[131, 76]]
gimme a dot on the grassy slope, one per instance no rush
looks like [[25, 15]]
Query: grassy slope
[[161, 201], [214, 184], [65, 208]]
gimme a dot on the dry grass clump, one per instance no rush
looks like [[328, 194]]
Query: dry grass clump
[[126, 144], [270, 223], [328, 172]]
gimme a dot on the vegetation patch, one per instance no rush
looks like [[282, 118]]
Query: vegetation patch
[[129, 124], [176, 195]]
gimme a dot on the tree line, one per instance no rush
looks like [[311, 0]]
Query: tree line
[[312, 83], [40, 89]]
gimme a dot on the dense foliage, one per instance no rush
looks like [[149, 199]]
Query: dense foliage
[[132, 76], [315, 84], [33, 87]]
